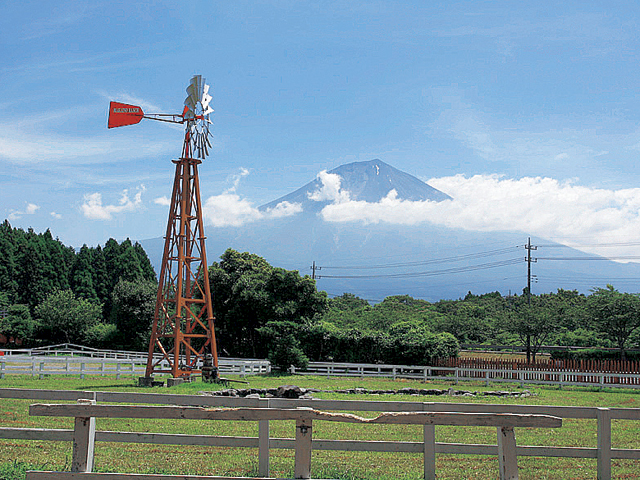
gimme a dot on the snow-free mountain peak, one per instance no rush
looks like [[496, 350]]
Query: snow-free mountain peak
[[368, 181]]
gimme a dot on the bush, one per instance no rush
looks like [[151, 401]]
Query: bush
[[101, 335], [283, 345], [287, 352], [592, 354]]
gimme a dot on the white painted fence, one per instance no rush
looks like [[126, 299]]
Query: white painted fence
[[488, 375], [602, 451], [86, 411], [58, 365]]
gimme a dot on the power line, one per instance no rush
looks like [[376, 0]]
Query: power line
[[621, 257], [502, 263], [456, 258], [608, 244], [390, 255]]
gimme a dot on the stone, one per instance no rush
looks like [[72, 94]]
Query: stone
[[290, 391], [172, 382]]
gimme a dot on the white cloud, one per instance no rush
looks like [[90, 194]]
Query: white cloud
[[123, 97], [236, 179], [164, 201], [94, 209], [56, 215], [330, 190], [30, 209], [20, 145], [544, 207], [229, 209]]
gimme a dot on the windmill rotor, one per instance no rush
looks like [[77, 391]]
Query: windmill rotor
[[196, 115]]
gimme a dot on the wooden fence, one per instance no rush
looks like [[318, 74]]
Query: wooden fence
[[603, 450], [86, 411], [488, 371], [58, 365]]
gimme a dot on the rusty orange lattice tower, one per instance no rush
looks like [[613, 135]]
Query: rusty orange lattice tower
[[182, 338]]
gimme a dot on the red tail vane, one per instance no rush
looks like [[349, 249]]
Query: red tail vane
[[121, 114]]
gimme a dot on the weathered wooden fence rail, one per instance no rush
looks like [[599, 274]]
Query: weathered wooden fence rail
[[86, 411], [57, 365], [603, 451], [488, 375]]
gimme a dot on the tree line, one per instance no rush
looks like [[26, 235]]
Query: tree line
[[52, 293], [105, 297]]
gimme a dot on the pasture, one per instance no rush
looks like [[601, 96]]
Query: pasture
[[17, 455]]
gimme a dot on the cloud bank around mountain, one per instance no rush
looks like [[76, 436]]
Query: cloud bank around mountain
[[230, 210], [563, 212], [544, 207]]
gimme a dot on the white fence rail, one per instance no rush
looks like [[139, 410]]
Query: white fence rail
[[603, 450], [488, 375], [86, 411], [59, 365]]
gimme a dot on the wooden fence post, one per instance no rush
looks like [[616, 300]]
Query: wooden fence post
[[429, 449], [304, 430], [604, 444], [507, 458], [263, 442], [84, 437]]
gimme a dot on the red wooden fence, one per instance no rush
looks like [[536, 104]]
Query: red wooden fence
[[578, 370]]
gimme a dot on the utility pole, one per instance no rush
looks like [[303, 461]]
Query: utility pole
[[529, 247], [313, 270]]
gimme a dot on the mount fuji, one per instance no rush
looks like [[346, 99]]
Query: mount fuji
[[375, 260], [363, 181]]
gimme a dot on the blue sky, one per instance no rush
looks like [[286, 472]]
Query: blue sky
[[526, 113]]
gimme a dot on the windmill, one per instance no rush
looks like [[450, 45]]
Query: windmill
[[182, 339]]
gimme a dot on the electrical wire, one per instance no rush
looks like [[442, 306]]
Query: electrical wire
[[502, 263], [457, 258]]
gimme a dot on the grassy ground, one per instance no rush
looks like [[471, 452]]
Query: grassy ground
[[325, 464]]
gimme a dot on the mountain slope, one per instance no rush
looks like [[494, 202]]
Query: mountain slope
[[365, 181]]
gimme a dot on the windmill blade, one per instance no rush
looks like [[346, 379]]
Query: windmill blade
[[199, 86], [206, 99]]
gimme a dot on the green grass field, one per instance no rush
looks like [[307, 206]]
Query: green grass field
[[17, 456]]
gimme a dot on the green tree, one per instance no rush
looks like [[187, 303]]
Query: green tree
[[347, 302], [615, 314], [18, 324], [248, 293], [111, 253], [81, 277], [283, 345], [8, 265], [64, 318], [532, 320], [100, 277], [133, 307], [148, 273]]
